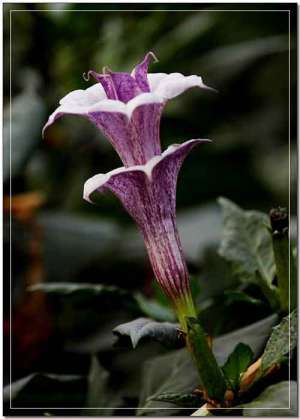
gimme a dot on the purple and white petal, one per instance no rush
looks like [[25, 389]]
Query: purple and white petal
[[148, 193], [127, 108], [132, 128], [117, 85], [168, 86], [125, 86], [161, 170], [141, 70], [106, 82], [89, 96]]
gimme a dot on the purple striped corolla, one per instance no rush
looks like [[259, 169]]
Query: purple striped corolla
[[148, 193], [127, 107]]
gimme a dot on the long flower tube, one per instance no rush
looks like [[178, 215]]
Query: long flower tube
[[148, 193], [127, 108]]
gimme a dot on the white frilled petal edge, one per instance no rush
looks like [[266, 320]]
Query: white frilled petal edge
[[99, 181], [93, 99]]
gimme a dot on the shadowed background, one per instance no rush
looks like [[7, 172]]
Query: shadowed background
[[58, 237]]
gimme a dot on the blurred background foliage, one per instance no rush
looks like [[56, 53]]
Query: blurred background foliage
[[58, 237]]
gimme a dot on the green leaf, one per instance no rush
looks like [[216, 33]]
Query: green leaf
[[170, 373], [182, 400], [176, 373], [41, 389], [233, 296], [78, 240], [99, 394], [73, 288], [154, 309], [237, 363], [246, 243], [25, 137], [143, 328], [151, 308], [216, 275], [15, 388], [277, 400], [282, 341]]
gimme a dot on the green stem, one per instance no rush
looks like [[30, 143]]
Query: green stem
[[210, 373], [185, 307], [285, 270], [211, 376], [284, 259]]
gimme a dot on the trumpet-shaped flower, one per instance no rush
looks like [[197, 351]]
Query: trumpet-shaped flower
[[148, 193], [127, 107]]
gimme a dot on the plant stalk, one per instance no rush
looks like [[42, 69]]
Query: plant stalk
[[284, 260], [211, 376]]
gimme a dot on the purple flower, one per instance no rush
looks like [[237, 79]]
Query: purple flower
[[127, 107], [148, 193]]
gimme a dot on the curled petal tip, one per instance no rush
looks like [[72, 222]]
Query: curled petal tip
[[45, 128], [206, 140], [202, 141], [92, 185], [198, 141], [87, 193], [86, 198], [155, 59], [212, 89], [43, 132], [86, 76]]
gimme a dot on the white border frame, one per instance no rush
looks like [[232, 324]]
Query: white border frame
[[10, 130]]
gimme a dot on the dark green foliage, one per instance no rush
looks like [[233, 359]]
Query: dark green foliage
[[182, 400], [176, 373], [154, 308], [165, 333], [237, 363], [246, 243], [276, 400], [282, 341]]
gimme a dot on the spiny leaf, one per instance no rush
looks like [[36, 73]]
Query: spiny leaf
[[282, 341], [237, 362]]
